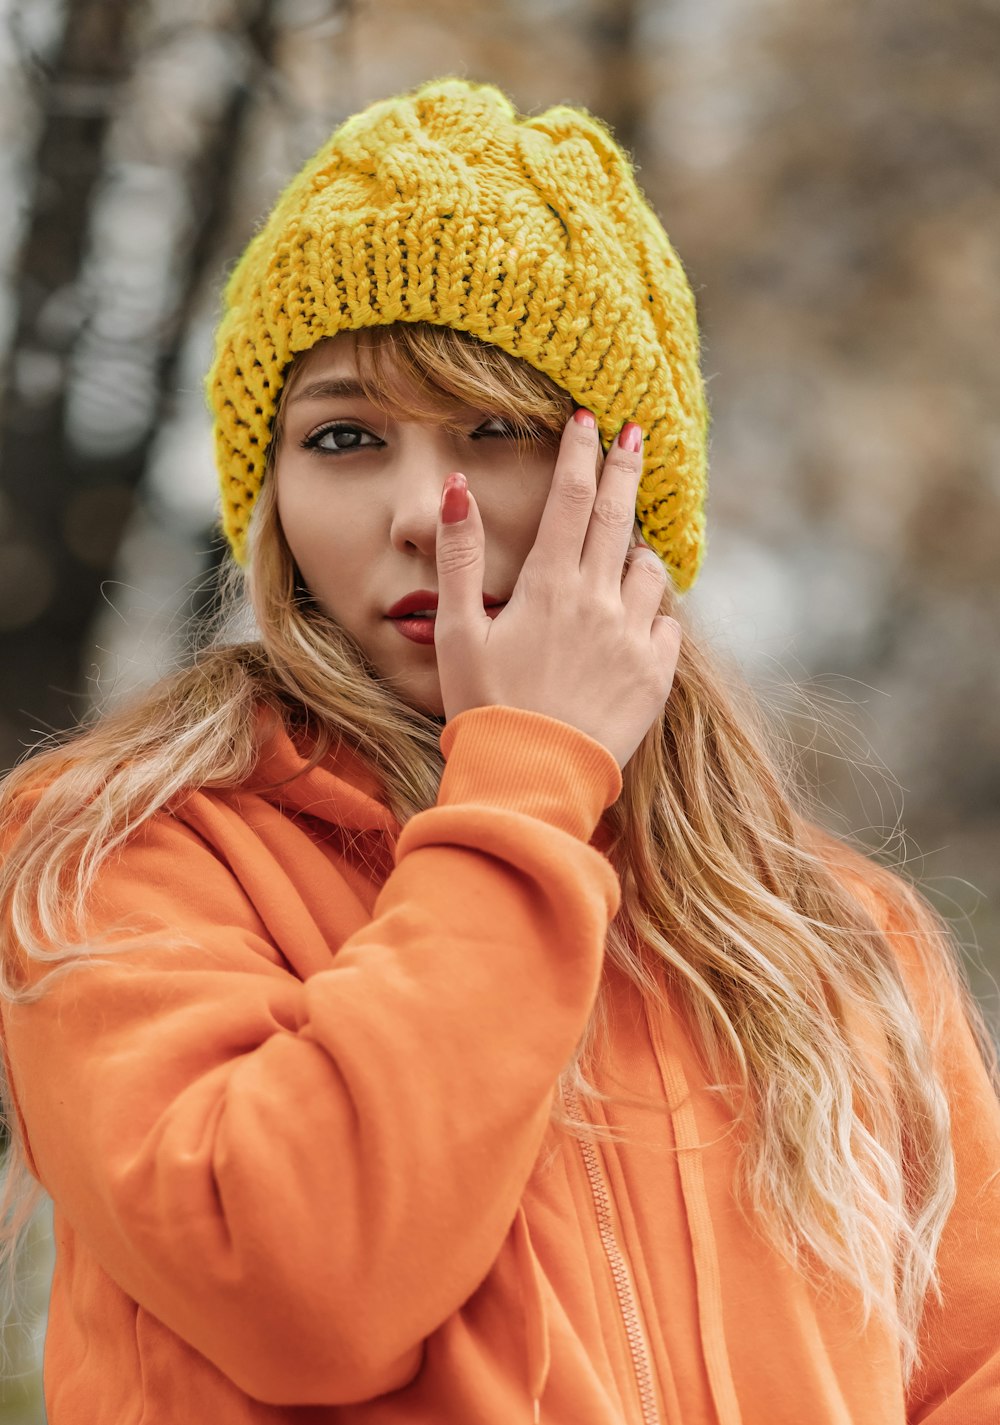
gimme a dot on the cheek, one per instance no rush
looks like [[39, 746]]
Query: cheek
[[323, 537], [512, 509], [301, 519]]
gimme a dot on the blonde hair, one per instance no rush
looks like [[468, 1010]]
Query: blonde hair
[[756, 923]]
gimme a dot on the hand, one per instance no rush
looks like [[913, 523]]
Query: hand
[[577, 640]]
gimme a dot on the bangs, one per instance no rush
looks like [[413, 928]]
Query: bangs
[[423, 371]]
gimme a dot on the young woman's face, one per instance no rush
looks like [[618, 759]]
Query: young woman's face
[[358, 491]]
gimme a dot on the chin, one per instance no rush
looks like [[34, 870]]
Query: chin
[[422, 693], [432, 706]]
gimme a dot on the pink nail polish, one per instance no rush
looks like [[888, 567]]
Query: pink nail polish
[[630, 438], [584, 417]]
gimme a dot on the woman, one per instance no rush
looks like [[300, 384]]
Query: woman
[[435, 1006]]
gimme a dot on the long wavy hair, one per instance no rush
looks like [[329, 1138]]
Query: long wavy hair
[[756, 923]]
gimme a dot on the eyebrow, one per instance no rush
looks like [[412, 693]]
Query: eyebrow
[[329, 387]]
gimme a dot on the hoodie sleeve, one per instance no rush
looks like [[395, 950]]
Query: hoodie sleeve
[[958, 1381], [303, 1180]]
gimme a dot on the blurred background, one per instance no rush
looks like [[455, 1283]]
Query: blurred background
[[828, 174]]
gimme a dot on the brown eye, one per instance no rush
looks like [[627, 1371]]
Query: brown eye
[[339, 439]]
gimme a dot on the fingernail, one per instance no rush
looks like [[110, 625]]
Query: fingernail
[[584, 417], [455, 499], [631, 437]]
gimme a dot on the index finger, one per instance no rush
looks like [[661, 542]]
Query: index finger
[[566, 516]]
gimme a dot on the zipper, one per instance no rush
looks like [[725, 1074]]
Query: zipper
[[619, 1271]]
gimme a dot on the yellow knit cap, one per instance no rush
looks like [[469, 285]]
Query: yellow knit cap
[[444, 206]]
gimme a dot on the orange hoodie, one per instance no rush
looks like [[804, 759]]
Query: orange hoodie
[[299, 1151]]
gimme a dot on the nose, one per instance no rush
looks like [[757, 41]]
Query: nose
[[418, 477]]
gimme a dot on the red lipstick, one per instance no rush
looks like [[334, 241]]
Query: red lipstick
[[406, 613], [410, 603]]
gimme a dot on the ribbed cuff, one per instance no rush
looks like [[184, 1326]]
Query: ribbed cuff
[[530, 763]]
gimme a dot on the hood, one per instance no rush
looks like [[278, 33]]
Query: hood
[[339, 790]]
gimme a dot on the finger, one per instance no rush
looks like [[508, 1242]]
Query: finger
[[460, 554], [564, 521], [667, 638], [612, 520], [643, 584]]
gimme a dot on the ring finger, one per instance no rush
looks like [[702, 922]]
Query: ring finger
[[644, 579]]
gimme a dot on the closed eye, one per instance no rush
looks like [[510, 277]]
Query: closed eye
[[501, 427]]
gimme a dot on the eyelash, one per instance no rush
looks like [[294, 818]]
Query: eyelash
[[312, 442]]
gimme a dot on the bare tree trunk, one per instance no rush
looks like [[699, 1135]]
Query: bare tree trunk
[[43, 588], [50, 577]]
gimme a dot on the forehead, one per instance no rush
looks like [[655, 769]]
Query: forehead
[[332, 369], [334, 357]]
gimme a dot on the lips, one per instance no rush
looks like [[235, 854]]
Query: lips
[[425, 601]]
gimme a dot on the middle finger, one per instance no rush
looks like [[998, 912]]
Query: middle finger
[[570, 500], [612, 519]]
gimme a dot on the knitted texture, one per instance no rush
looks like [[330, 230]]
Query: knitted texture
[[444, 205]]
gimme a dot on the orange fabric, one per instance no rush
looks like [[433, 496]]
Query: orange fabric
[[299, 1147]]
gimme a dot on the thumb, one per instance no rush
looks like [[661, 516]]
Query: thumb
[[460, 555]]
